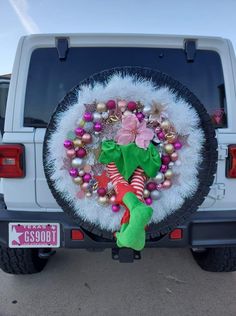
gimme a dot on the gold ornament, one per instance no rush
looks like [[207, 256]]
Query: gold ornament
[[169, 148], [169, 174], [78, 142], [102, 200], [166, 125], [146, 193], [171, 137], [78, 180], [113, 119], [101, 107]]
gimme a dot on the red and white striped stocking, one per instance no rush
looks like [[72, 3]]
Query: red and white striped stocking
[[137, 182], [114, 174]]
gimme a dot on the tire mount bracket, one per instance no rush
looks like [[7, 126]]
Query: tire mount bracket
[[125, 255]]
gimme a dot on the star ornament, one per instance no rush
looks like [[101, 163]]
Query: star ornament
[[102, 180]]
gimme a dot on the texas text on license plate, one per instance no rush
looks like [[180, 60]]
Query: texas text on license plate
[[34, 235]]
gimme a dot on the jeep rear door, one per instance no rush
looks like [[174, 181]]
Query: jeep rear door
[[50, 78]]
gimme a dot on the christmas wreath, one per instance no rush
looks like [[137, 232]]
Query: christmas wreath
[[124, 153]]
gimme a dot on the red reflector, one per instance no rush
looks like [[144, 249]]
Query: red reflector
[[176, 234], [231, 162], [77, 234], [12, 161]]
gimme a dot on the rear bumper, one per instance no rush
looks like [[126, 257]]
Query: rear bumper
[[203, 229]]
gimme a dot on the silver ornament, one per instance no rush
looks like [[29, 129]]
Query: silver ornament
[[105, 115], [88, 126], [81, 173], [97, 117], [171, 165], [159, 178], [147, 110], [178, 163], [77, 162], [155, 195]]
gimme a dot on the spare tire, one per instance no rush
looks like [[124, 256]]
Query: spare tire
[[193, 173]]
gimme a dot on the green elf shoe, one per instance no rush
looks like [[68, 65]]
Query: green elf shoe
[[133, 235]]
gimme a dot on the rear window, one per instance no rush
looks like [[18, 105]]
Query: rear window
[[50, 78]]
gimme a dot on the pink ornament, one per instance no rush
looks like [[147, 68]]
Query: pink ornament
[[88, 116], [151, 186], [148, 201], [97, 127], [132, 106], [159, 186], [81, 152], [115, 208], [68, 144], [101, 191], [164, 168], [87, 177], [158, 129], [177, 145], [140, 116], [161, 135], [111, 104], [79, 131], [73, 172], [174, 156], [84, 186], [87, 138], [167, 184], [113, 199], [165, 159], [122, 105], [70, 153]]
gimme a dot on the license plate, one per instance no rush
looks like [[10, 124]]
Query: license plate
[[34, 235]]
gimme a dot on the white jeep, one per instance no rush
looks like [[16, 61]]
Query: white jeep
[[46, 68]]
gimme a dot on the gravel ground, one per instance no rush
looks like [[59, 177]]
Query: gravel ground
[[165, 282]]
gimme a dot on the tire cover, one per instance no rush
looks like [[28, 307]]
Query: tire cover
[[193, 172]]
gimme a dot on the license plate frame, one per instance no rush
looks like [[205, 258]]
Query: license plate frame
[[33, 235]]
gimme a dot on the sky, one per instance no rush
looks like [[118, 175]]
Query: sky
[[189, 17]]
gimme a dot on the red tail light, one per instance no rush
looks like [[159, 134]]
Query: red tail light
[[12, 161], [231, 162], [77, 234], [176, 234]]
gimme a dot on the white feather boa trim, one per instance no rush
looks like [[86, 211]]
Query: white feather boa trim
[[180, 113]]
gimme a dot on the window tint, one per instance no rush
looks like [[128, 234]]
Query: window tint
[[49, 78], [3, 102]]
